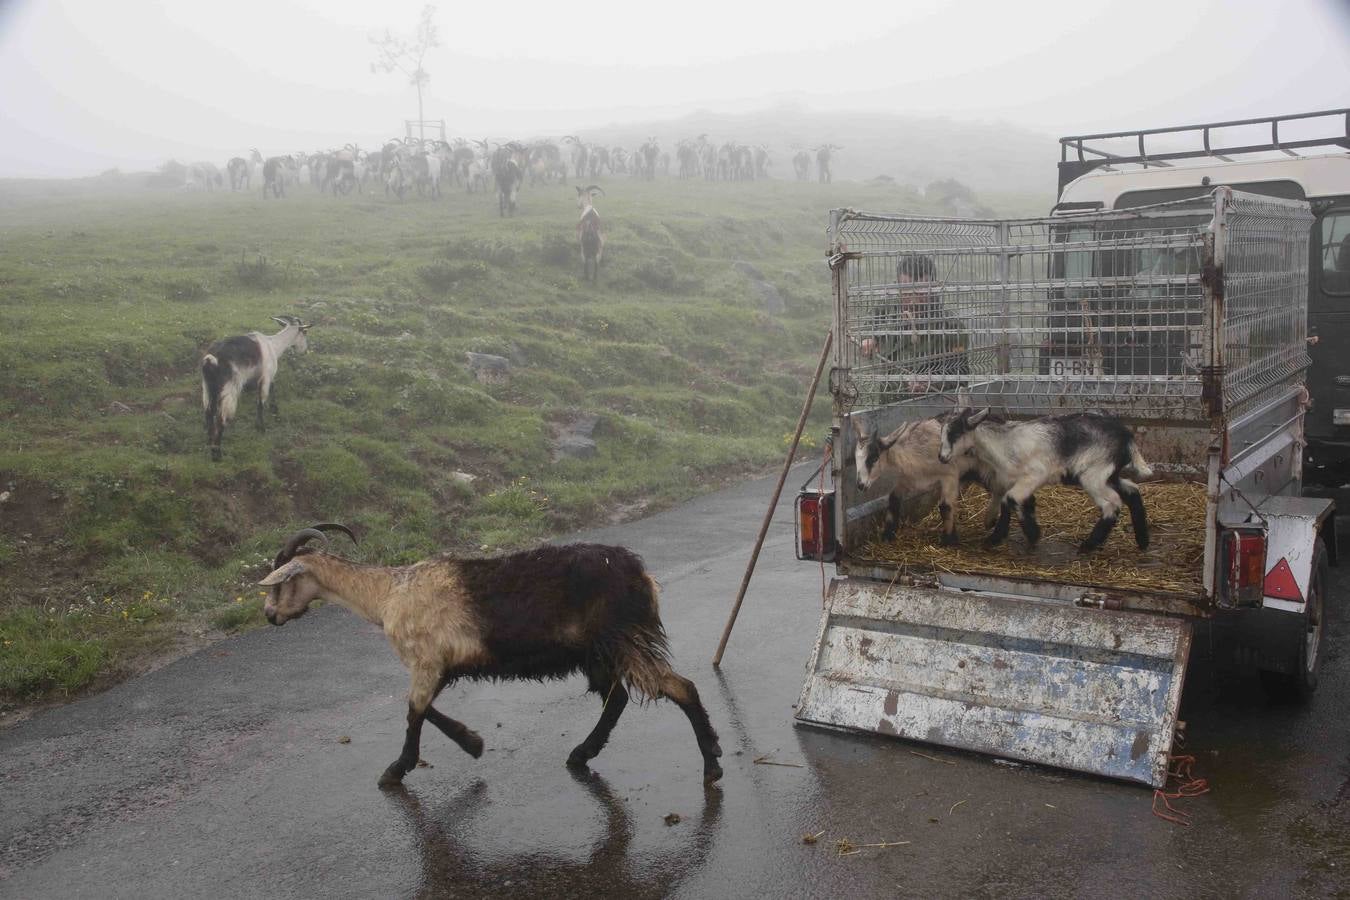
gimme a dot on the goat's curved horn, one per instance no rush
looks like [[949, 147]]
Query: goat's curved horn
[[334, 526], [280, 321], [596, 187], [304, 536], [294, 543]]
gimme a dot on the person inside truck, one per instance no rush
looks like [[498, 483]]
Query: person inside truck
[[930, 341]]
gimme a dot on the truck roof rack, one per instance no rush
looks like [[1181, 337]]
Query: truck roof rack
[[1077, 158]]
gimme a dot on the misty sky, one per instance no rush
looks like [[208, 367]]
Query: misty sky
[[90, 84]]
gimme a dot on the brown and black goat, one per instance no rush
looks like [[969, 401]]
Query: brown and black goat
[[545, 613], [588, 231]]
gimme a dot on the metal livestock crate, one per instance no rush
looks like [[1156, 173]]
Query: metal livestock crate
[[1188, 312]]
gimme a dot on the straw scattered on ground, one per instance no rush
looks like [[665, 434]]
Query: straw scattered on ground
[[1172, 564]]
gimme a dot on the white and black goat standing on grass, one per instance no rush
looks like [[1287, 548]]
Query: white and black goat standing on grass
[[589, 233], [1091, 450], [545, 613], [236, 363], [909, 454]]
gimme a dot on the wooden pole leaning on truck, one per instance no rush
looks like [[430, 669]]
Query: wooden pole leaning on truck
[[778, 490]]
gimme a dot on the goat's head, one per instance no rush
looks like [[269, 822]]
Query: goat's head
[[301, 340], [293, 585], [586, 195], [958, 433], [868, 448]]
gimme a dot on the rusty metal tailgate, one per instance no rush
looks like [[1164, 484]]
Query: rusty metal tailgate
[[1084, 689]]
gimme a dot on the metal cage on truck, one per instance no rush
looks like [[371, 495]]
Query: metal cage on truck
[[1192, 328]]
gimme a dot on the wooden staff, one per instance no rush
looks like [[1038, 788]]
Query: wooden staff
[[768, 515]]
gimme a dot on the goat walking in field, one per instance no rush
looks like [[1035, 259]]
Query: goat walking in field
[[588, 231], [1090, 450], [236, 363], [544, 613]]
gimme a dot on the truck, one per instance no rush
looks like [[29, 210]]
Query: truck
[[1188, 304]]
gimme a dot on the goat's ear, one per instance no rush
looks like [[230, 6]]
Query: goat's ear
[[858, 428], [307, 327], [977, 418], [285, 573]]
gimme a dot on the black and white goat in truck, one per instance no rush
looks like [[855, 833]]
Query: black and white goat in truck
[[234, 364]]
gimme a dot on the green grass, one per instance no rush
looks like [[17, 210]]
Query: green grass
[[108, 299]]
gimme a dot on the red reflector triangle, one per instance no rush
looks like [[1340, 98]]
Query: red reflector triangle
[[1280, 583]]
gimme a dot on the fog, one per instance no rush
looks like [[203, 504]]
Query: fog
[[87, 85]]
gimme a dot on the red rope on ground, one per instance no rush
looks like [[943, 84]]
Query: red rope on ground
[[1187, 785]]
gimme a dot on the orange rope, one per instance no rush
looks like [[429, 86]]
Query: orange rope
[[1187, 785]]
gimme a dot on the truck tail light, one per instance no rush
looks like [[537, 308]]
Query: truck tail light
[[1245, 559], [814, 524]]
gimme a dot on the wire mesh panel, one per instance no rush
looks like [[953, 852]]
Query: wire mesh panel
[[1106, 310], [1263, 252]]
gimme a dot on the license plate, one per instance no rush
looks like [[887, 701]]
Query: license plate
[[1074, 367]]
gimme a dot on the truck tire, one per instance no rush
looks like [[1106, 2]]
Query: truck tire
[[1300, 682]]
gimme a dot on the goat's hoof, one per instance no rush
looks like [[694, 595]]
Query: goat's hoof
[[950, 540], [1087, 547], [578, 758], [712, 772], [392, 777], [473, 744]]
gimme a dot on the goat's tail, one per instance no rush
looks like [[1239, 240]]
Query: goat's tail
[[210, 385], [1141, 468], [638, 649]]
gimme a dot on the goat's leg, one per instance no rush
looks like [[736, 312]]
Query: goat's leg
[[272, 399], [616, 699], [469, 741], [424, 687], [892, 517], [951, 493], [1030, 527], [262, 398], [1108, 501], [1013, 498], [685, 695], [1129, 492]]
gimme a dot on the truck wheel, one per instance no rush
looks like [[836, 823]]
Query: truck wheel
[[1305, 662]]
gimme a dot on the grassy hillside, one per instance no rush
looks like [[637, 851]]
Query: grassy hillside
[[119, 535]]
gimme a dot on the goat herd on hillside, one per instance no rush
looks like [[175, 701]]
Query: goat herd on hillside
[[404, 166]]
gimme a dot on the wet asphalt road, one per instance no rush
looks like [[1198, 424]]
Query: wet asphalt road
[[222, 774]]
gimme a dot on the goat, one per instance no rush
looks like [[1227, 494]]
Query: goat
[[237, 168], [823, 155], [588, 231], [236, 363], [1091, 450], [393, 180], [274, 176], [909, 454], [801, 164], [509, 172], [544, 613]]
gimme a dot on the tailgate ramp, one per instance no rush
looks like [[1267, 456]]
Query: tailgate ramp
[[1084, 689]]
